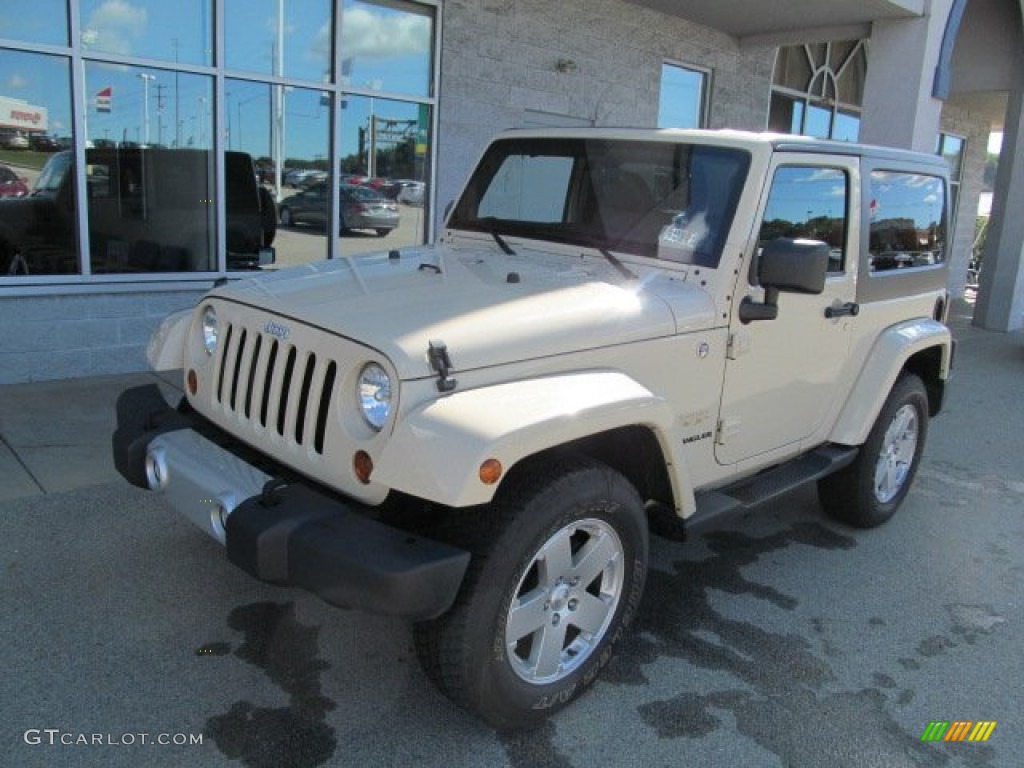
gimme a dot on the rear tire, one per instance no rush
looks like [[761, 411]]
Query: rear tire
[[870, 490], [558, 569]]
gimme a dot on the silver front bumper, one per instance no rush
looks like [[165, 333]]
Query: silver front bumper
[[200, 479]]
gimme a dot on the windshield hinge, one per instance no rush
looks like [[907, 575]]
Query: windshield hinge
[[437, 353]]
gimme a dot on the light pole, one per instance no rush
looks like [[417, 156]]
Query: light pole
[[146, 78], [202, 121]]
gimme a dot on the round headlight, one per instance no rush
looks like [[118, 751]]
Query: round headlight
[[374, 391], [210, 330]]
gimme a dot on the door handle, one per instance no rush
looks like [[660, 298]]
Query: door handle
[[851, 308]]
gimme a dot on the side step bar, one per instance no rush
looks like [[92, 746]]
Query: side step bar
[[751, 492]]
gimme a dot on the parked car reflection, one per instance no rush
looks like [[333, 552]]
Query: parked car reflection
[[12, 185], [361, 208]]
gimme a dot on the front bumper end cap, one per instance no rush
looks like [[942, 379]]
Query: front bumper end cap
[[302, 538]]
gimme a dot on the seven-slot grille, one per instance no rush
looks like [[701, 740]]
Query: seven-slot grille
[[273, 385]]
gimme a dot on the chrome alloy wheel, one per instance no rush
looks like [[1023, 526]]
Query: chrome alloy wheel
[[565, 601], [897, 454]]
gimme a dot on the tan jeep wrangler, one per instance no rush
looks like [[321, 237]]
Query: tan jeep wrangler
[[617, 329]]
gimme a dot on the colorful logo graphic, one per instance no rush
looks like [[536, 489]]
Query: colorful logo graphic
[[958, 730]]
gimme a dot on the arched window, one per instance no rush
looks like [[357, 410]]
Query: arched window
[[817, 89]]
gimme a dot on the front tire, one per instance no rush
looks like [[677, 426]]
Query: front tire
[[558, 569], [870, 490]]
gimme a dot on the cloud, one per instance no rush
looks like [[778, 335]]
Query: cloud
[[379, 35], [16, 82], [823, 174], [932, 199], [115, 26]]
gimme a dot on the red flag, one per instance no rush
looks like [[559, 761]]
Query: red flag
[[103, 99]]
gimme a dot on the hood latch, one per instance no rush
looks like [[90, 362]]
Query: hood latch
[[437, 353]]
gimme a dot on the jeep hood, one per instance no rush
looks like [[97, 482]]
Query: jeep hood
[[488, 308]]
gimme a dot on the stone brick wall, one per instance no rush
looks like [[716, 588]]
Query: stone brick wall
[[63, 336], [499, 70]]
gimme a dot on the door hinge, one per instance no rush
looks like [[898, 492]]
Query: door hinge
[[739, 344], [727, 428]]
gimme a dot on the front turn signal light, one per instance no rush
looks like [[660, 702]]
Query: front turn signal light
[[490, 471]]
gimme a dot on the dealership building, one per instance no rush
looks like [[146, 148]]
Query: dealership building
[[412, 91]]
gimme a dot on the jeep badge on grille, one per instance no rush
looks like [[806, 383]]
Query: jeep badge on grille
[[276, 329]]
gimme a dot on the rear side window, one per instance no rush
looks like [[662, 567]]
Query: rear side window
[[908, 222]]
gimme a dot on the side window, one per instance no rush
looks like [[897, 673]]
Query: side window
[[809, 202], [907, 220], [533, 188], [97, 179]]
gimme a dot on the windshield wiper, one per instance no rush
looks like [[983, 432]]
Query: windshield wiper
[[488, 224], [501, 242], [614, 261]]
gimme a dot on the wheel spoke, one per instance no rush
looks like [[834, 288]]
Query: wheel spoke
[[883, 479], [590, 615], [555, 559], [904, 422], [548, 650], [527, 615], [595, 557]]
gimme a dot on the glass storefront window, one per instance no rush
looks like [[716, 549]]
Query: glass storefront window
[[952, 147], [287, 38], [159, 104], [682, 97], [41, 21], [385, 148], [151, 107], [818, 90], [38, 229], [286, 131], [181, 31], [149, 170], [387, 46]]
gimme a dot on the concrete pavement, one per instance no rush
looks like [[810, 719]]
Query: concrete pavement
[[55, 435]]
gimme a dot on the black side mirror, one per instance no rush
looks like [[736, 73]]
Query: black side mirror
[[794, 266], [785, 264]]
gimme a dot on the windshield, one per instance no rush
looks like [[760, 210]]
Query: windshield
[[52, 175], [659, 199]]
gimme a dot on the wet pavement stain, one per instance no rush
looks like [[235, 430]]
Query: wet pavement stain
[[676, 618], [533, 748], [780, 677], [295, 736]]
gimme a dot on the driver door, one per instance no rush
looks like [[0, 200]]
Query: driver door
[[782, 374]]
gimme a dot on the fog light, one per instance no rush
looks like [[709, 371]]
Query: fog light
[[223, 506], [362, 464], [156, 469]]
